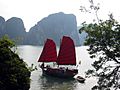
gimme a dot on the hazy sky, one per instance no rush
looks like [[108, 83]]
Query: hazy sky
[[32, 11]]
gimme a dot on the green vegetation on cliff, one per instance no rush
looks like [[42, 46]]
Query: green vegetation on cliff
[[14, 73]]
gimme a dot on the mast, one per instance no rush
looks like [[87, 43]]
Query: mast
[[67, 55], [49, 53]]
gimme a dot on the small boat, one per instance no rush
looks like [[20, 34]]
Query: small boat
[[80, 79], [66, 56]]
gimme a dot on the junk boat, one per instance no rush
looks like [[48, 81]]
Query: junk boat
[[66, 56]]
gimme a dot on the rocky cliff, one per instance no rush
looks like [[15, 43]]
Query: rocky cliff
[[14, 28], [54, 26]]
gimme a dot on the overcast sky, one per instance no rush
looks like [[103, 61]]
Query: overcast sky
[[32, 11]]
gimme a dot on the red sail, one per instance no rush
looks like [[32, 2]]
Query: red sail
[[67, 55], [49, 53]]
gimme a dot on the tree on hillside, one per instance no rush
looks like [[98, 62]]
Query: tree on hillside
[[104, 43], [14, 74]]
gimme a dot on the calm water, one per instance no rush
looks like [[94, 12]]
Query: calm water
[[30, 54]]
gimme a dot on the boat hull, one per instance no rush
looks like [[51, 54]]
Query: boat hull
[[80, 79], [60, 73]]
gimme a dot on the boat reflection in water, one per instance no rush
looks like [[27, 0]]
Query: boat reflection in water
[[52, 83]]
